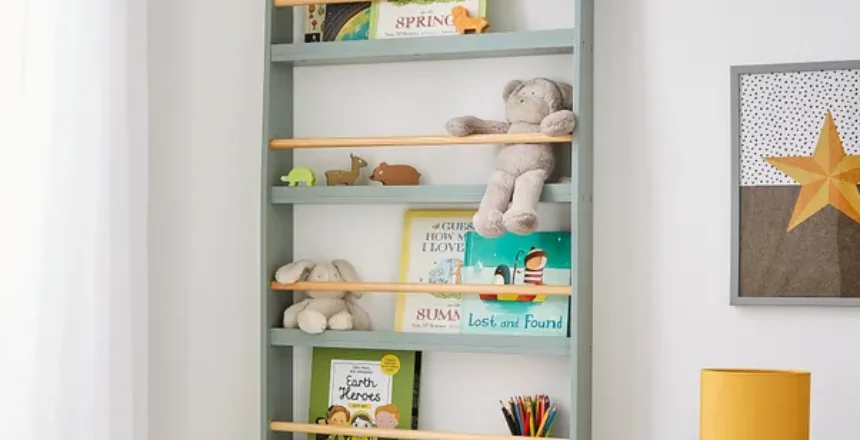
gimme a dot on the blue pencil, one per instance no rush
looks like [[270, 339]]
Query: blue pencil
[[549, 421], [518, 419]]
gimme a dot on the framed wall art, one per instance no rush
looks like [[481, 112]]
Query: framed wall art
[[795, 174]]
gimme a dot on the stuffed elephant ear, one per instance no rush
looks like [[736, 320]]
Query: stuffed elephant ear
[[511, 87], [566, 94], [294, 272], [347, 273]]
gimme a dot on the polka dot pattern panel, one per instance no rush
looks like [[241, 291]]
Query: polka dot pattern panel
[[781, 114]]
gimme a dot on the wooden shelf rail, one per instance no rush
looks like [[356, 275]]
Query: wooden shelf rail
[[426, 288], [400, 141], [388, 433], [288, 3]]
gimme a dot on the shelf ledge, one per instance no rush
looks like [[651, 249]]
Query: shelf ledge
[[312, 428], [401, 141], [289, 3], [425, 288], [542, 42], [419, 194], [435, 342]]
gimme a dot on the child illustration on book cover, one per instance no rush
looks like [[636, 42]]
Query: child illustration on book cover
[[541, 258], [355, 389], [387, 417], [534, 262]]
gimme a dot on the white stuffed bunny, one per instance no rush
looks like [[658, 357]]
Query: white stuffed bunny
[[335, 310]]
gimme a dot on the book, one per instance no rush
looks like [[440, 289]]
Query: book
[[419, 18], [540, 258], [432, 251], [337, 22], [364, 388]]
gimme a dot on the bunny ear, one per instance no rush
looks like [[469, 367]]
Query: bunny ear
[[346, 271], [293, 272]]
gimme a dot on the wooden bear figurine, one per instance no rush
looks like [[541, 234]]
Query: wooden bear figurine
[[391, 175]]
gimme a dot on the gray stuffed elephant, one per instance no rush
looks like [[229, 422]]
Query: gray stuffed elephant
[[511, 199]]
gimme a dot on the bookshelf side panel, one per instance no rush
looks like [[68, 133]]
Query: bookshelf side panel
[[582, 164], [277, 226]]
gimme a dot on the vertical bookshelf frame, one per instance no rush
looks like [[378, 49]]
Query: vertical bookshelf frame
[[276, 241], [582, 208], [276, 219]]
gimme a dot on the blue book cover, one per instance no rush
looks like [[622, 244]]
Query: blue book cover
[[540, 258]]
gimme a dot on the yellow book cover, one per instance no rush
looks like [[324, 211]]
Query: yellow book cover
[[432, 251]]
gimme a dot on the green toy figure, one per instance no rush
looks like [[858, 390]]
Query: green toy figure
[[300, 174]]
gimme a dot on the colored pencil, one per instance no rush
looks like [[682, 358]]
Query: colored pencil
[[508, 418], [524, 426], [541, 427], [550, 422], [531, 419], [515, 410], [529, 416], [540, 410]]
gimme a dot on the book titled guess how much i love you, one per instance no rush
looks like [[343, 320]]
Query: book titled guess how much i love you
[[364, 389], [540, 258], [433, 244]]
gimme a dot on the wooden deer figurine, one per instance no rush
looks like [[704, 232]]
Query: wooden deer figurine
[[343, 177]]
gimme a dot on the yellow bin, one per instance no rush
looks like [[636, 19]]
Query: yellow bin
[[754, 405]]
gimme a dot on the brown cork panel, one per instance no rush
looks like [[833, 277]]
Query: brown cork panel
[[818, 258]]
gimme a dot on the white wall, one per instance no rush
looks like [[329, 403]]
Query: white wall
[[205, 118], [662, 215], [661, 308]]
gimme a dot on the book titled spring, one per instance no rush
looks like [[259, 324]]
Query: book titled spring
[[540, 258]]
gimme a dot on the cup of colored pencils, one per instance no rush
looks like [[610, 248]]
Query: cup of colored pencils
[[529, 416]]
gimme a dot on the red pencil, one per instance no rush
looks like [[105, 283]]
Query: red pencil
[[523, 415], [539, 410]]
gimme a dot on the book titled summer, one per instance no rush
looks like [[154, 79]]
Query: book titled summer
[[540, 258], [419, 18], [432, 252]]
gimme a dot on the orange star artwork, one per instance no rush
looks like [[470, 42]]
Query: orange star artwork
[[828, 177]]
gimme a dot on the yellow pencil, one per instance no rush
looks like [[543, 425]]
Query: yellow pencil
[[542, 425]]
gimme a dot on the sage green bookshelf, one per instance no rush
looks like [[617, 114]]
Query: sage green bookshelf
[[282, 56]]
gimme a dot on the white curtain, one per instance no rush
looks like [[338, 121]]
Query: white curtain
[[73, 173]]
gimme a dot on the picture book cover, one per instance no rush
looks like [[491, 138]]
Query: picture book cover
[[419, 18], [432, 251], [540, 258], [337, 22], [364, 388]]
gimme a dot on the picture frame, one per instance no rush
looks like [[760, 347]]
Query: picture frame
[[794, 241]]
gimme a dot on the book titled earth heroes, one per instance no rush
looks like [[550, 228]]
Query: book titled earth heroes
[[540, 258], [364, 388]]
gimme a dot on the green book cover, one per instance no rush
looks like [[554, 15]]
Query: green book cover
[[364, 388]]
